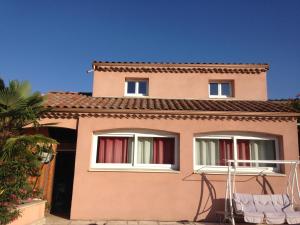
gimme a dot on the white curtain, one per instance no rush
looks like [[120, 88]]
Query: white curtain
[[145, 150], [130, 149], [207, 152], [262, 150]]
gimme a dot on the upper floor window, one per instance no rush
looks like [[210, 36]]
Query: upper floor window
[[136, 87], [220, 89], [134, 150], [212, 152]]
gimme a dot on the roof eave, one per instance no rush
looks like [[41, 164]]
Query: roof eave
[[177, 112], [183, 65]]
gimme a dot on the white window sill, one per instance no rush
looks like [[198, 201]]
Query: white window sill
[[136, 95], [239, 172], [134, 170], [129, 166], [220, 97]]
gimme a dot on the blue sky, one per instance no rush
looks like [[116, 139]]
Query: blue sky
[[52, 43]]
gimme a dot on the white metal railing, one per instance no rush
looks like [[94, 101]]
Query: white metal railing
[[263, 161]]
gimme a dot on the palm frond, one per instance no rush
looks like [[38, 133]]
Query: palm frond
[[23, 88], [9, 98], [19, 107], [2, 85], [25, 145]]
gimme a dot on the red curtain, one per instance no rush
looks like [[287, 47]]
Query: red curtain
[[226, 151], [112, 150], [243, 151], [163, 150]]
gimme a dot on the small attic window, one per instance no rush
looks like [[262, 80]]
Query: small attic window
[[136, 87], [220, 89]]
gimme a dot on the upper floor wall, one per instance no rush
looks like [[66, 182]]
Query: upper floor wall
[[181, 81]]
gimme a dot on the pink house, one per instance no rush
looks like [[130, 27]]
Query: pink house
[[152, 140]]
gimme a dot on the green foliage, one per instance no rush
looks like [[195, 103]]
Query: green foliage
[[26, 147], [296, 105], [13, 181], [18, 108], [20, 154]]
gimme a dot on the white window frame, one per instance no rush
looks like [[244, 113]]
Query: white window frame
[[219, 95], [133, 165], [235, 138], [137, 83]]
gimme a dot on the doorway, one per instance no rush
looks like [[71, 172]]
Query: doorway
[[63, 183], [64, 171]]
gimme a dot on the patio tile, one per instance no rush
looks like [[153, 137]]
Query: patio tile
[[171, 223], [39, 222], [148, 222], [133, 222], [55, 220], [82, 222], [116, 222], [101, 222]]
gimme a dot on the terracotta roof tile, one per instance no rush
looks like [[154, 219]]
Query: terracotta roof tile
[[71, 100], [147, 67], [175, 63]]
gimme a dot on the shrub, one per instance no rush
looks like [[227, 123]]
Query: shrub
[[20, 154]]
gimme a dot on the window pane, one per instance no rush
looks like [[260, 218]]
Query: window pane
[[114, 150], [243, 151], [130, 87], [145, 150], [143, 87], [213, 88], [263, 150], [226, 151], [256, 150], [163, 151], [207, 152], [226, 89], [213, 152], [156, 150]]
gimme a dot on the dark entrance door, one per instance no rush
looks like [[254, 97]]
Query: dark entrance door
[[63, 183]]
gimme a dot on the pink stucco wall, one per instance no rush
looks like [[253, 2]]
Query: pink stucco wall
[[181, 85], [56, 122], [167, 196]]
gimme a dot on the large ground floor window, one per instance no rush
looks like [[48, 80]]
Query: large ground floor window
[[212, 152], [135, 150]]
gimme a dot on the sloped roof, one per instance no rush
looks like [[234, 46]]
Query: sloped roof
[[73, 101], [146, 67]]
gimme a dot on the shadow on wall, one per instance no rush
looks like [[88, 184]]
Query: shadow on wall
[[266, 187], [209, 204]]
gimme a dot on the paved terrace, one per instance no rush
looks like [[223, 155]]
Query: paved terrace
[[54, 220]]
